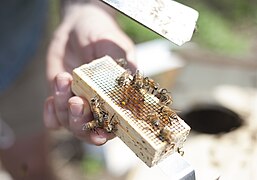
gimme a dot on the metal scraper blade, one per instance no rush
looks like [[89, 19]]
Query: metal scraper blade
[[170, 19]]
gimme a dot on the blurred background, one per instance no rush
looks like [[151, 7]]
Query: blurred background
[[213, 81]]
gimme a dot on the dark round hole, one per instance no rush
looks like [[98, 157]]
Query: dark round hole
[[212, 119]]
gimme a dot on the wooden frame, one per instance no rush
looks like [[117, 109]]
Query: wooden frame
[[149, 128]]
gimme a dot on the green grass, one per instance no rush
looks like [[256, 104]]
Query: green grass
[[218, 34], [215, 32], [91, 165], [136, 31]]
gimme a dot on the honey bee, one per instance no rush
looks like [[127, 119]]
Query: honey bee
[[91, 126], [164, 97], [161, 92], [105, 115], [138, 80], [96, 112], [103, 118], [122, 62], [180, 151], [167, 135], [150, 84], [109, 128], [109, 125], [172, 115], [146, 85], [124, 78], [154, 119], [99, 114], [95, 102], [165, 110]]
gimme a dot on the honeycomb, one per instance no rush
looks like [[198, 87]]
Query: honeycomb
[[133, 109]]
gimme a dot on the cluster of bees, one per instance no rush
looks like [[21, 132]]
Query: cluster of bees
[[101, 117], [145, 84], [165, 132], [139, 83]]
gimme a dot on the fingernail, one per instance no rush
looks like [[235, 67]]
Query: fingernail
[[76, 109], [99, 140], [63, 84]]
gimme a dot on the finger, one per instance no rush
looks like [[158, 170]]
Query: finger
[[93, 41], [56, 53], [50, 118], [61, 96], [100, 137], [117, 45], [79, 115], [131, 58]]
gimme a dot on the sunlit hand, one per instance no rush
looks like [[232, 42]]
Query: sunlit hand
[[87, 32]]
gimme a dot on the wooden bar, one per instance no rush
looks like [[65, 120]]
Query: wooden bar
[[129, 110]]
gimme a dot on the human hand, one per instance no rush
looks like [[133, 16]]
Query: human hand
[[86, 33]]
